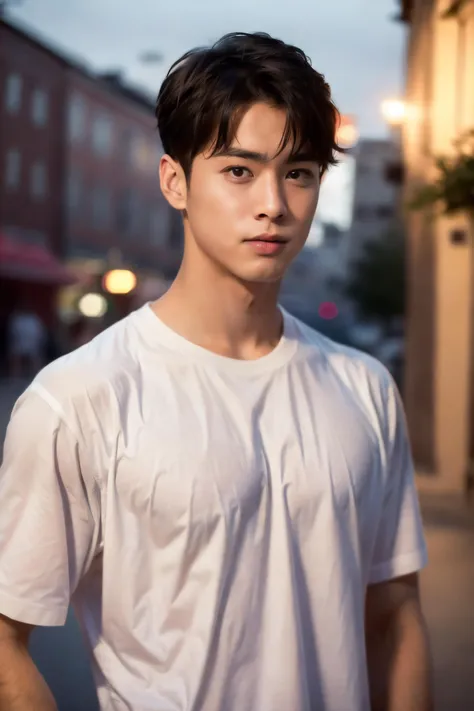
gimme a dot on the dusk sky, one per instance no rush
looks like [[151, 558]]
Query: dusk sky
[[355, 43]]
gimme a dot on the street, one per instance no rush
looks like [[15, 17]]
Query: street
[[448, 597]]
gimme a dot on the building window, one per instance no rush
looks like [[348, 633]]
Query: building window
[[76, 118], [13, 170], [100, 207], [129, 214], [362, 212], [385, 212], [102, 135], [13, 91], [74, 192], [127, 146], [39, 107], [159, 225], [141, 153], [39, 181]]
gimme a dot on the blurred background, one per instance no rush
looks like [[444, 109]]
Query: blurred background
[[86, 236]]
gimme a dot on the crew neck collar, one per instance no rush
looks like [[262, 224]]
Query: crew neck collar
[[159, 333]]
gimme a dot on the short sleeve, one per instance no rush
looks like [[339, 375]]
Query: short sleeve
[[400, 547], [50, 514]]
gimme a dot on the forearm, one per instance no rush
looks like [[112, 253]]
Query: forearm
[[400, 666], [22, 688]]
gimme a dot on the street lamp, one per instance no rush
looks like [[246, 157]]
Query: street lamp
[[394, 112], [347, 132], [119, 281]]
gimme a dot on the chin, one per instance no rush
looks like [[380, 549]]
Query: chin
[[268, 274]]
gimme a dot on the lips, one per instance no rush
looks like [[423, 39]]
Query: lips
[[267, 245], [276, 239]]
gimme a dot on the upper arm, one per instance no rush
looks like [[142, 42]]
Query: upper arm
[[49, 522], [14, 631]]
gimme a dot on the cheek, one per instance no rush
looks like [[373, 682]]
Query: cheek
[[212, 208]]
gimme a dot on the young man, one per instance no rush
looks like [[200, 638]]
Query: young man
[[226, 496]]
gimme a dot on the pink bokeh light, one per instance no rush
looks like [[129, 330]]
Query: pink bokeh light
[[328, 310]]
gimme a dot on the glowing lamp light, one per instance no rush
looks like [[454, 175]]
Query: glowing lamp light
[[93, 305], [120, 281], [328, 310], [347, 132], [394, 111]]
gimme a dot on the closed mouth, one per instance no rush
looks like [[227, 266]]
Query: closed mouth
[[274, 240]]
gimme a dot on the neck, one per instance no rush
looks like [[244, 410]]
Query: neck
[[217, 311]]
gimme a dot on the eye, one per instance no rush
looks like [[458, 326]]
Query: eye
[[301, 174], [238, 171]]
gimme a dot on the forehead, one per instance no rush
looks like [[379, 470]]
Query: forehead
[[261, 126], [261, 129]]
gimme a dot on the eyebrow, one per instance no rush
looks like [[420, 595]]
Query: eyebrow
[[244, 154]]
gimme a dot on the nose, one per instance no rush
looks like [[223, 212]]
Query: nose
[[271, 200]]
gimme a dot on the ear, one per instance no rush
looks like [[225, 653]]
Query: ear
[[173, 182]]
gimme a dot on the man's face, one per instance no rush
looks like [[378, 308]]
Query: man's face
[[249, 210]]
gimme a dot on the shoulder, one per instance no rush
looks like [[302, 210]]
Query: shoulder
[[363, 378], [84, 384], [345, 361]]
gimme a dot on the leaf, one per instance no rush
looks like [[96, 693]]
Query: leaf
[[454, 9], [453, 187], [377, 282], [425, 197]]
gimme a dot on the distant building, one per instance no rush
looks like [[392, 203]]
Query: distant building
[[439, 392], [302, 290], [32, 95], [79, 156], [112, 196], [376, 194], [331, 252]]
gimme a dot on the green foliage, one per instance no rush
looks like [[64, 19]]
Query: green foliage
[[454, 9], [453, 187], [377, 282]]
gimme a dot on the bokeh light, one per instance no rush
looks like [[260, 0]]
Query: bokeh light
[[120, 281], [93, 305], [328, 310]]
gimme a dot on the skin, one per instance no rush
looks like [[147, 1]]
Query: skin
[[225, 299], [227, 200], [398, 654], [22, 688]]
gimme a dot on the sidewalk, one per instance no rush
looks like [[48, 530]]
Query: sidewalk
[[448, 598]]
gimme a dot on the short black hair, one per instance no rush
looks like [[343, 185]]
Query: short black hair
[[207, 91]]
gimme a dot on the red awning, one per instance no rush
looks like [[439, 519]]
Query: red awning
[[32, 263]]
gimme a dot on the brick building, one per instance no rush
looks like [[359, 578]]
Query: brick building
[[32, 90], [78, 173], [112, 196]]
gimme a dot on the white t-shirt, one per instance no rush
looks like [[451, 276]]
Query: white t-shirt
[[215, 522]]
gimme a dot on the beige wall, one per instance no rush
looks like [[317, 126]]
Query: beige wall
[[440, 94]]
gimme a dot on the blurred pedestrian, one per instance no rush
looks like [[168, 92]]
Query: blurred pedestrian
[[226, 496], [27, 337]]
